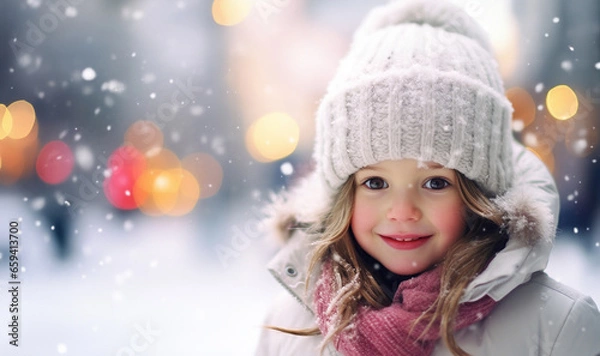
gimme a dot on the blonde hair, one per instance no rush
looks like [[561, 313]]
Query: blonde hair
[[465, 259]]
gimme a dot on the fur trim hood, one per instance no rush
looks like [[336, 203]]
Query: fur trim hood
[[530, 207]]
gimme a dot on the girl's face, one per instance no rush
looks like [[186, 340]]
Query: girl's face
[[407, 215]]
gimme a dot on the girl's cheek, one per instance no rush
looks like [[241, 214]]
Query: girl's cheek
[[452, 219], [362, 214]]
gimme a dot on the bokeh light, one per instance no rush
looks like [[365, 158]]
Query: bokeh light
[[18, 157], [23, 119], [6, 121], [272, 137], [524, 108], [188, 194], [145, 136], [175, 192], [127, 158], [206, 170], [12, 162], [165, 189], [155, 190], [165, 159], [143, 190], [562, 102], [55, 162], [153, 180], [231, 12], [126, 164], [172, 192], [118, 189]]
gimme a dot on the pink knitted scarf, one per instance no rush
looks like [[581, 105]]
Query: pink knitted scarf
[[387, 331]]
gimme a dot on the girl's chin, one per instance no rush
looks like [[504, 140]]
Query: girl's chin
[[404, 270]]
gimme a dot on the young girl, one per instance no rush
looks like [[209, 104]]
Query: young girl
[[425, 228]]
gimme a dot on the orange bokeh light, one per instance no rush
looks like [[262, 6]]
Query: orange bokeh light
[[18, 157], [524, 107], [206, 170], [163, 160], [172, 192], [143, 191], [146, 137]]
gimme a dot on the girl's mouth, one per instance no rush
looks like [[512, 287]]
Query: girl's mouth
[[405, 242]]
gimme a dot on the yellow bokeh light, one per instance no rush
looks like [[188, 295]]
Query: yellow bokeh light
[[231, 12], [23, 115], [6, 121], [165, 189], [143, 191], [188, 194], [146, 137], [562, 102], [272, 137], [172, 192]]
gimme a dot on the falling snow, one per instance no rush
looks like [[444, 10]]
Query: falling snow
[[38, 203], [580, 146], [84, 157], [566, 65], [196, 110], [113, 86], [287, 168], [88, 74], [518, 125], [539, 87], [61, 348]]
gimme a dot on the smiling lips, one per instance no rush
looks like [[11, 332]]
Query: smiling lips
[[405, 242]]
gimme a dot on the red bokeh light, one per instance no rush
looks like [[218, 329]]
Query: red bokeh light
[[55, 162]]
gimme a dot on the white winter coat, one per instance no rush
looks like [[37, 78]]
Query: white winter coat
[[535, 314]]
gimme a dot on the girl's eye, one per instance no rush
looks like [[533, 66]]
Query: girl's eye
[[436, 183], [375, 183]]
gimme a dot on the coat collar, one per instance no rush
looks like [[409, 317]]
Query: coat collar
[[290, 268]]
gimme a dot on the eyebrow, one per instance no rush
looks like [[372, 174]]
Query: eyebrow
[[433, 165]]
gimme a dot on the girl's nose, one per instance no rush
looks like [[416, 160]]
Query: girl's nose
[[404, 208]]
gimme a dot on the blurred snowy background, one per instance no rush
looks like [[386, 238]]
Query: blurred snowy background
[[160, 128]]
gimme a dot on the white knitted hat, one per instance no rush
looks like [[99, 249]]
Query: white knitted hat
[[420, 81]]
